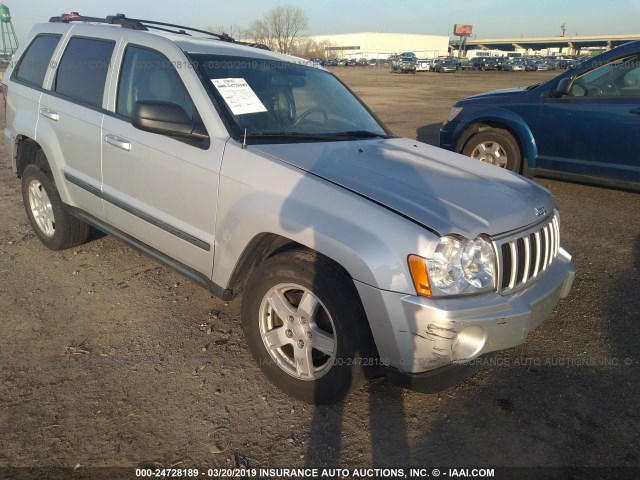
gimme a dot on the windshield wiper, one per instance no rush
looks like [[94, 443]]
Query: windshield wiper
[[361, 134], [294, 136], [535, 85]]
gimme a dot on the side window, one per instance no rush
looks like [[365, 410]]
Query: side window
[[149, 75], [83, 69], [35, 61], [618, 78]]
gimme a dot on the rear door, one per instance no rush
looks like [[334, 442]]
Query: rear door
[[71, 115], [595, 131]]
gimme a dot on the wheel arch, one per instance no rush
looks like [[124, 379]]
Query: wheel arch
[[26, 150], [512, 124], [260, 248]]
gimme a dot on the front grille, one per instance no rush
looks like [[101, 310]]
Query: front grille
[[524, 257]]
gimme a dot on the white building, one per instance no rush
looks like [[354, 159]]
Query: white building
[[382, 45]]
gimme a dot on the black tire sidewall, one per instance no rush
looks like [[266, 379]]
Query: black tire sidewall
[[342, 303], [58, 240], [501, 137]]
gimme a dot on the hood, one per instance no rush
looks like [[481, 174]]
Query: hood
[[441, 190], [500, 94]]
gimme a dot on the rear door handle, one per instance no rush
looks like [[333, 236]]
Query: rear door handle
[[51, 114], [636, 111], [122, 143]]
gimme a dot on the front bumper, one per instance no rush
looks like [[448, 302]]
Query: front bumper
[[416, 334]]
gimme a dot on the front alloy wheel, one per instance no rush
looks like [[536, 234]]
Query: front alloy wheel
[[297, 331]]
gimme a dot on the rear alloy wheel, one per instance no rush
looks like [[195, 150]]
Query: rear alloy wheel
[[306, 328], [494, 146], [48, 216]]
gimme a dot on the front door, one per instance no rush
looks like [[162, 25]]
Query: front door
[[595, 131], [159, 189]]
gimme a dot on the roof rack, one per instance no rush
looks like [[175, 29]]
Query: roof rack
[[138, 24]]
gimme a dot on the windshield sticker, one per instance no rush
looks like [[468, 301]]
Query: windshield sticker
[[239, 96]]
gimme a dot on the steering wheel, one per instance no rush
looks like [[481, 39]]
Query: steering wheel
[[306, 113]]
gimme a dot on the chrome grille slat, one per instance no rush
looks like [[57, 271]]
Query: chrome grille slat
[[523, 257], [527, 259], [514, 264], [537, 269]]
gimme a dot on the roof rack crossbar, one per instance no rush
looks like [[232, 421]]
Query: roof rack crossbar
[[224, 37]]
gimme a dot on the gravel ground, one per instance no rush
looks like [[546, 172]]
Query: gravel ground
[[107, 359]]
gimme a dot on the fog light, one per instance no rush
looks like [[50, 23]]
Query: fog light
[[468, 343]]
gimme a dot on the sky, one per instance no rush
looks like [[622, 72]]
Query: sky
[[490, 18]]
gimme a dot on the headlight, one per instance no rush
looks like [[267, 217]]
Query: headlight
[[459, 266], [455, 111]]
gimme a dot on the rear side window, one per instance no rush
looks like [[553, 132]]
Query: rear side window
[[83, 69], [35, 61]]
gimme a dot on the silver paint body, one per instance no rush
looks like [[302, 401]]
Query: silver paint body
[[365, 204]]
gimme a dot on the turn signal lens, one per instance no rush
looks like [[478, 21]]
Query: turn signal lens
[[418, 269]]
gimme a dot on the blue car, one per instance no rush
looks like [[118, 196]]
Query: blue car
[[583, 125]]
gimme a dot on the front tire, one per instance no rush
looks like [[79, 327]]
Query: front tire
[[495, 146], [51, 222], [306, 328]]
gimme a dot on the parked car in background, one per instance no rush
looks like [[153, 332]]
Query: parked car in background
[[463, 64], [478, 63], [445, 66], [404, 64], [513, 66], [424, 65], [372, 62], [582, 125]]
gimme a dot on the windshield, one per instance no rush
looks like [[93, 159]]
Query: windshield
[[268, 99]]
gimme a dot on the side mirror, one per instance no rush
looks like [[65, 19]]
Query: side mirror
[[563, 89], [166, 118]]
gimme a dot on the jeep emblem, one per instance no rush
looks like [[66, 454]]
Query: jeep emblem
[[541, 211]]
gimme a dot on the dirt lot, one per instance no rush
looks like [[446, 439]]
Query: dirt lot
[[107, 359]]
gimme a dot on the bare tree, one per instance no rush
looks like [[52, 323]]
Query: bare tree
[[234, 31], [279, 28]]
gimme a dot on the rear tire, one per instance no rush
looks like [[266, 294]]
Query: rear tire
[[495, 146], [48, 216], [306, 328]]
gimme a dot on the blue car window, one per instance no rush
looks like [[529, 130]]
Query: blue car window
[[618, 78]]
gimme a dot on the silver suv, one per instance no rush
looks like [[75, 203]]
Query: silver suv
[[250, 172]]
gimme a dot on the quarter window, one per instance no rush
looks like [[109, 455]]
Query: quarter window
[[83, 69], [35, 61]]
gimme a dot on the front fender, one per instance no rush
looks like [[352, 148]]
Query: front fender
[[259, 195]]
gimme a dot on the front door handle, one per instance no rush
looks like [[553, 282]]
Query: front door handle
[[122, 143], [51, 114], [636, 111]]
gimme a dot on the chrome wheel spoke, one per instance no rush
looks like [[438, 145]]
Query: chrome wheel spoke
[[276, 338], [494, 149], [281, 305], [308, 305], [323, 341], [304, 361]]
